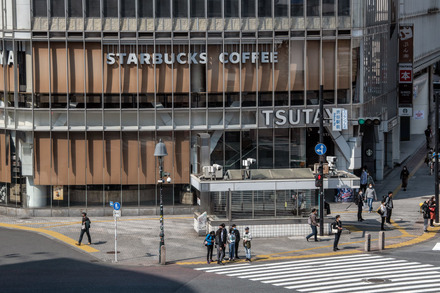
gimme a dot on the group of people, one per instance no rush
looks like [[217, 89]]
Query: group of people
[[428, 210], [222, 239]]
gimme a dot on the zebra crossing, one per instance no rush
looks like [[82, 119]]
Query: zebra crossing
[[337, 274]]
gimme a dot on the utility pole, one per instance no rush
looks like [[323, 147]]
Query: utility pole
[[436, 141], [321, 162]]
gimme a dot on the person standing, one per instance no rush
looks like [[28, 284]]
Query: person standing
[[389, 205], [231, 242], [360, 203], [337, 225], [209, 243], [370, 179], [247, 238], [220, 241], [432, 207], [426, 215], [364, 179], [370, 194], [313, 224], [383, 214], [428, 135], [404, 175], [85, 227], [237, 240]]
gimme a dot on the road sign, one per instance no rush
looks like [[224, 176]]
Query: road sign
[[111, 203], [337, 119], [117, 206], [117, 214], [320, 149]]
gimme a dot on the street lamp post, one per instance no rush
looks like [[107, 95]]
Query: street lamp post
[[161, 151]]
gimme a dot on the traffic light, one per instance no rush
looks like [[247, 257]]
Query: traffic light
[[369, 121], [318, 180]]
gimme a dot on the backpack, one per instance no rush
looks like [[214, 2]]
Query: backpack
[[425, 209]]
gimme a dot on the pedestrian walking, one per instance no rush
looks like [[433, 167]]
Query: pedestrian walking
[[370, 179], [426, 215], [313, 224], [404, 175], [209, 243], [389, 205], [428, 135], [237, 240], [360, 202], [364, 179], [337, 227], [85, 228], [370, 194], [382, 211], [220, 241], [247, 238], [432, 206]]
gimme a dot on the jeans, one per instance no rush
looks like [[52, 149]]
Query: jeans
[[209, 254], [236, 248], [370, 203], [248, 252], [425, 224], [220, 253], [82, 234], [389, 211], [314, 232], [231, 250]]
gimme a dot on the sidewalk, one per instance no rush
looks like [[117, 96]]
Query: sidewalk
[[138, 237]]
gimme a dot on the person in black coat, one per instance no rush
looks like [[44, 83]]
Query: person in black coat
[[221, 239], [85, 226], [337, 225], [404, 175], [360, 203], [237, 239]]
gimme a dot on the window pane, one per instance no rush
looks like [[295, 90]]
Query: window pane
[[92, 8], [163, 8], [145, 8], [214, 8], [57, 8], [264, 8], [231, 8], [281, 7], [343, 7], [197, 8], [328, 7], [265, 149], [297, 7], [247, 8], [75, 8], [128, 8], [110, 8], [40, 8], [313, 8], [180, 8]]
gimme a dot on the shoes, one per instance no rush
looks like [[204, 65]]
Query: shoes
[[237, 257], [404, 189], [369, 212], [307, 239], [247, 259], [77, 244], [211, 260], [208, 262], [89, 243], [425, 231], [316, 240], [334, 249], [337, 248], [432, 226]]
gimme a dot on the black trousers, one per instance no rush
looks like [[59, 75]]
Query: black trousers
[[210, 248], [236, 248], [383, 223], [360, 211], [337, 236], [389, 211], [82, 234]]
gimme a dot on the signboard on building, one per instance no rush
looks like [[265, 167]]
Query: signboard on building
[[406, 59], [405, 111], [337, 119], [58, 193]]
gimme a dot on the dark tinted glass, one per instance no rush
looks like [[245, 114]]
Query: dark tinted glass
[[110, 8], [163, 8], [214, 8], [92, 8], [57, 8], [264, 8], [247, 8], [343, 7], [40, 8], [312, 7], [197, 8], [231, 8], [180, 8], [297, 7], [281, 7], [74, 8], [128, 8], [145, 8], [328, 7]]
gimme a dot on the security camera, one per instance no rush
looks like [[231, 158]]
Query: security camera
[[217, 166], [248, 162], [169, 180], [331, 159]]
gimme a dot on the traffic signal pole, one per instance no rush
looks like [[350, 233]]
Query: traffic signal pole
[[436, 167], [321, 162]]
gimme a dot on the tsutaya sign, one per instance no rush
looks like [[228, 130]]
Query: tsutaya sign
[[10, 55], [190, 58], [293, 117]]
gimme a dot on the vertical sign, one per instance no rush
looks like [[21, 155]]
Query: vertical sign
[[406, 53], [337, 119], [344, 119]]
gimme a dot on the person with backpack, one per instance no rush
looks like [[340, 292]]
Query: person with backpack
[[247, 237], [220, 241], [426, 215], [337, 226], [359, 201], [209, 243], [85, 227], [382, 211], [237, 239], [388, 200], [370, 194], [313, 225], [231, 241]]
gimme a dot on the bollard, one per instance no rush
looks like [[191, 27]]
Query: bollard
[[163, 255], [381, 240], [367, 242]]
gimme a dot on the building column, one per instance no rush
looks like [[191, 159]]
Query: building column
[[36, 194]]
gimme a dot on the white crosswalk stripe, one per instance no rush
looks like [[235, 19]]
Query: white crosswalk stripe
[[338, 274]]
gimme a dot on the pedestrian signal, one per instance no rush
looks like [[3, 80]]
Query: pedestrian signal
[[319, 180]]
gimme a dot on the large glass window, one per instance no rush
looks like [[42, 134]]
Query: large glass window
[[281, 148], [180, 8], [145, 8], [343, 7], [110, 8], [57, 8], [128, 8], [328, 7], [313, 7], [40, 8], [232, 150], [281, 8], [264, 8], [92, 8], [74, 8], [247, 8], [197, 8], [297, 72], [231, 8], [312, 54], [297, 8], [163, 8], [343, 71], [265, 149], [214, 8]]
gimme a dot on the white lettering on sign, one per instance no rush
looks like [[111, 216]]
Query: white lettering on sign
[[293, 116], [189, 58], [10, 60]]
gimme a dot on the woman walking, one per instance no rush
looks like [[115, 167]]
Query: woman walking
[[404, 175], [209, 243], [247, 237], [382, 211], [337, 225]]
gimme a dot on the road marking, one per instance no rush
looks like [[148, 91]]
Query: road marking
[[437, 246]]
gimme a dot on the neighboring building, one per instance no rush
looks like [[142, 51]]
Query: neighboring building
[[88, 88]]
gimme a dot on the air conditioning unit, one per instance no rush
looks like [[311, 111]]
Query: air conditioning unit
[[214, 171]]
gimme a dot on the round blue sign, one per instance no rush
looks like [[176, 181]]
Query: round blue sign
[[320, 149], [117, 206]]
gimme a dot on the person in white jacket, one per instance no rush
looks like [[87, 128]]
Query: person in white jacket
[[370, 194], [247, 238]]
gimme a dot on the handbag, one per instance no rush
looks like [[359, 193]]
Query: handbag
[[379, 211], [335, 231]]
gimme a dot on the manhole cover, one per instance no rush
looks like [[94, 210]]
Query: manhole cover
[[112, 252], [376, 281]]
